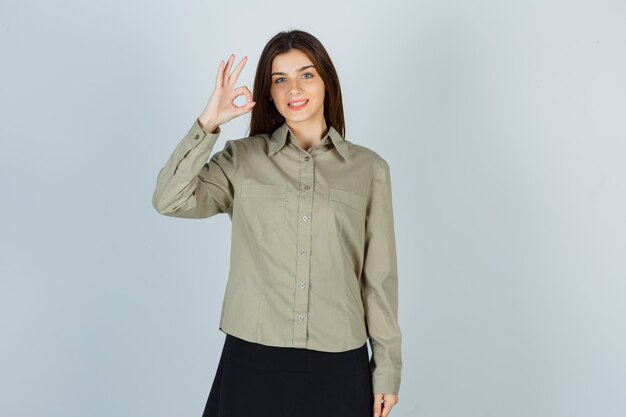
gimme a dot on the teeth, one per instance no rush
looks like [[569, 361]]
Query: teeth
[[297, 103]]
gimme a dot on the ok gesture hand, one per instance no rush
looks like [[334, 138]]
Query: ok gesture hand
[[221, 107]]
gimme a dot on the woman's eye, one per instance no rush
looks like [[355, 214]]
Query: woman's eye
[[282, 78]]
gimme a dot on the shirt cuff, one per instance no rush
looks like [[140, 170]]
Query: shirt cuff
[[196, 135], [386, 384]]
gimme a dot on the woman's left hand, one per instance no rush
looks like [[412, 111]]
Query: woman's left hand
[[382, 409]]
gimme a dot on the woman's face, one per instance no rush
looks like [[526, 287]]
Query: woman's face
[[294, 79]]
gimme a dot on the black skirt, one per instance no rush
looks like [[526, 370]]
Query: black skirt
[[254, 380]]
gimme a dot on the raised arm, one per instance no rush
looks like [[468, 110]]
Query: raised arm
[[189, 186]]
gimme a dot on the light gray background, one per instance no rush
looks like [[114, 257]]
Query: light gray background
[[503, 123]]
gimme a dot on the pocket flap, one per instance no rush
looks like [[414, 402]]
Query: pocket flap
[[351, 200], [263, 191]]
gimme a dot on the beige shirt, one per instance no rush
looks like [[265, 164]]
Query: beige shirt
[[313, 256]]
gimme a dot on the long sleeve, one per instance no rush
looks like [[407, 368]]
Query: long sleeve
[[188, 186], [380, 286]]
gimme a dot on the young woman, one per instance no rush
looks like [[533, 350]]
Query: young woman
[[313, 260]]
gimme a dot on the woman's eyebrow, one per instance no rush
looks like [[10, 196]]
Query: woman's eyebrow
[[301, 69]]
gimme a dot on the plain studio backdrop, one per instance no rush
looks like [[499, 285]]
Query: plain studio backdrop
[[502, 122]]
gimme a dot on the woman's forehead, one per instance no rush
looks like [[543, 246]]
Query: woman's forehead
[[291, 61]]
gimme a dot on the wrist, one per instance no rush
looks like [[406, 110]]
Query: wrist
[[207, 125]]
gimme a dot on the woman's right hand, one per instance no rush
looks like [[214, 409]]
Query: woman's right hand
[[221, 107]]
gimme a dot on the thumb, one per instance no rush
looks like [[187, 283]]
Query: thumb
[[377, 404], [249, 105]]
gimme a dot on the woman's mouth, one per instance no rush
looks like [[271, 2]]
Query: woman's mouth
[[297, 105]]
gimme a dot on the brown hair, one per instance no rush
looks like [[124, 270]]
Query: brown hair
[[265, 118]]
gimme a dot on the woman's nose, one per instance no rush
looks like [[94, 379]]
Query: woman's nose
[[294, 87]]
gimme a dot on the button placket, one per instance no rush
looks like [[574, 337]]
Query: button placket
[[303, 239]]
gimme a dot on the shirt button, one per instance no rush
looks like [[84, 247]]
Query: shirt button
[[306, 158], [306, 187], [304, 251], [305, 218], [302, 285], [300, 318]]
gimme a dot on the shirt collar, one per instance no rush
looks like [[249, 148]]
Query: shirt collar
[[279, 138]]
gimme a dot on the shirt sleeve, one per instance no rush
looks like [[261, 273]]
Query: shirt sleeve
[[380, 286], [190, 187]]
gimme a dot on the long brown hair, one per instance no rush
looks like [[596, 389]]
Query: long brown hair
[[265, 118]]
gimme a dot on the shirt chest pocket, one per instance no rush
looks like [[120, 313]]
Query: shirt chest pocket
[[346, 215], [264, 205]]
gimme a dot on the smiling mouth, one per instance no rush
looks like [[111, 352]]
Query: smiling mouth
[[297, 104]]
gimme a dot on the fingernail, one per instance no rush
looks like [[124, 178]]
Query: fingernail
[[375, 414]]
